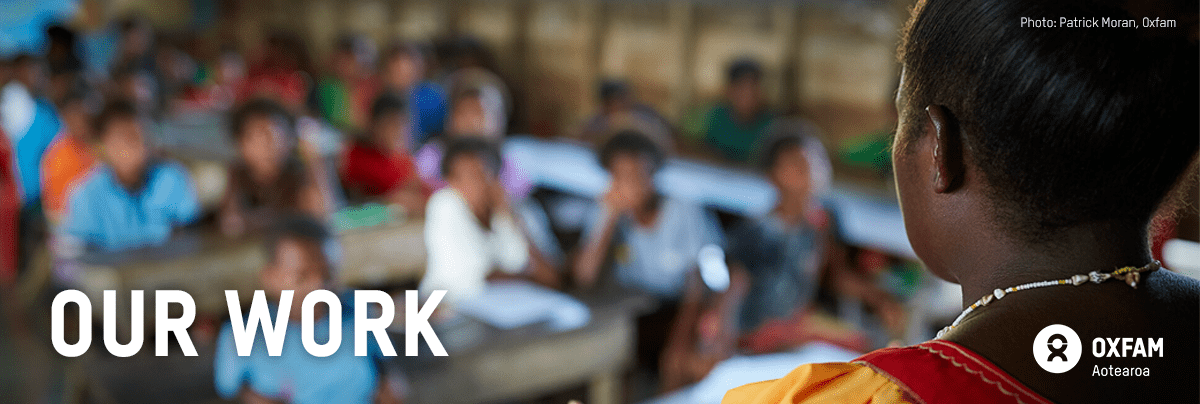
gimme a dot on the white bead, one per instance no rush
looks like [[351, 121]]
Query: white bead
[[999, 294]]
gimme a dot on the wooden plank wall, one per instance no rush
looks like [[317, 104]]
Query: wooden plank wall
[[832, 61]]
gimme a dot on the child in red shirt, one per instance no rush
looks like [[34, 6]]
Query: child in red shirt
[[378, 164]]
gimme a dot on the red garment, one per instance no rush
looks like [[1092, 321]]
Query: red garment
[[10, 212], [373, 172], [974, 379]]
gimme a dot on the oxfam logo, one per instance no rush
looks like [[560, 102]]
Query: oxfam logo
[[1057, 348]]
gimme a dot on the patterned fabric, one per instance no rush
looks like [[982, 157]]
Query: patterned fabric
[[915, 374]]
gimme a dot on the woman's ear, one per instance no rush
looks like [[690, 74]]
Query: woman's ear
[[949, 169]]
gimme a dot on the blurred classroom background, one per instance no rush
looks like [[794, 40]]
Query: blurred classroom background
[[627, 201]]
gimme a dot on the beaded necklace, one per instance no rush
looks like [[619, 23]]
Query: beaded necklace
[[1130, 275]]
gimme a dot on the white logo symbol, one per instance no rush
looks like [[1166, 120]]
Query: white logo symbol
[[1057, 348]]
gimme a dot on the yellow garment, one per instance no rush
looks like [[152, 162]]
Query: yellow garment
[[849, 383]]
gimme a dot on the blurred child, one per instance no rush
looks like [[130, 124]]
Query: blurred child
[[137, 86], [735, 127], [475, 112], [469, 227], [777, 262], [270, 176], [784, 255], [479, 113], [69, 158], [62, 60], [282, 72], [136, 46], [378, 164], [297, 261], [403, 73], [654, 243], [620, 110], [129, 200], [344, 97]]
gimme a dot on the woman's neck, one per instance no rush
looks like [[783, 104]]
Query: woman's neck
[[1079, 250]]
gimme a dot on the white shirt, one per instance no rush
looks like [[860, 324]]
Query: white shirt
[[461, 253], [659, 258]]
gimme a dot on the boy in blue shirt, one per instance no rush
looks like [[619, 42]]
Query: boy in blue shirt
[[297, 261], [129, 200]]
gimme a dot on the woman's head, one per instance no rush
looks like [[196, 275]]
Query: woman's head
[[264, 135], [1054, 128]]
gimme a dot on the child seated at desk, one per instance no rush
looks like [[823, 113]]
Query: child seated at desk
[[270, 177], [69, 158], [777, 262], [469, 226], [297, 261], [378, 164], [130, 200], [478, 112], [735, 126], [654, 243]]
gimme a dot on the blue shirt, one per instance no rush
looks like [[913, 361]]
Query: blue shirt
[[30, 147], [428, 103], [295, 375], [104, 214]]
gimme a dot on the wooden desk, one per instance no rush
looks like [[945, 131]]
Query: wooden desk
[[203, 264], [206, 264], [489, 365], [387, 254]]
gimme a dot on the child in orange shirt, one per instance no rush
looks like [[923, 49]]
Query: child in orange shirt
[[69, 158]]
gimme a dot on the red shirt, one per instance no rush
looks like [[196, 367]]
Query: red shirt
[[373, 172]]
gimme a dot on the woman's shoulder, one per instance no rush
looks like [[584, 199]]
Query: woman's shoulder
[[824, 383]]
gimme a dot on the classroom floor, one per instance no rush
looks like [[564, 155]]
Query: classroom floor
[[31, 371]]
